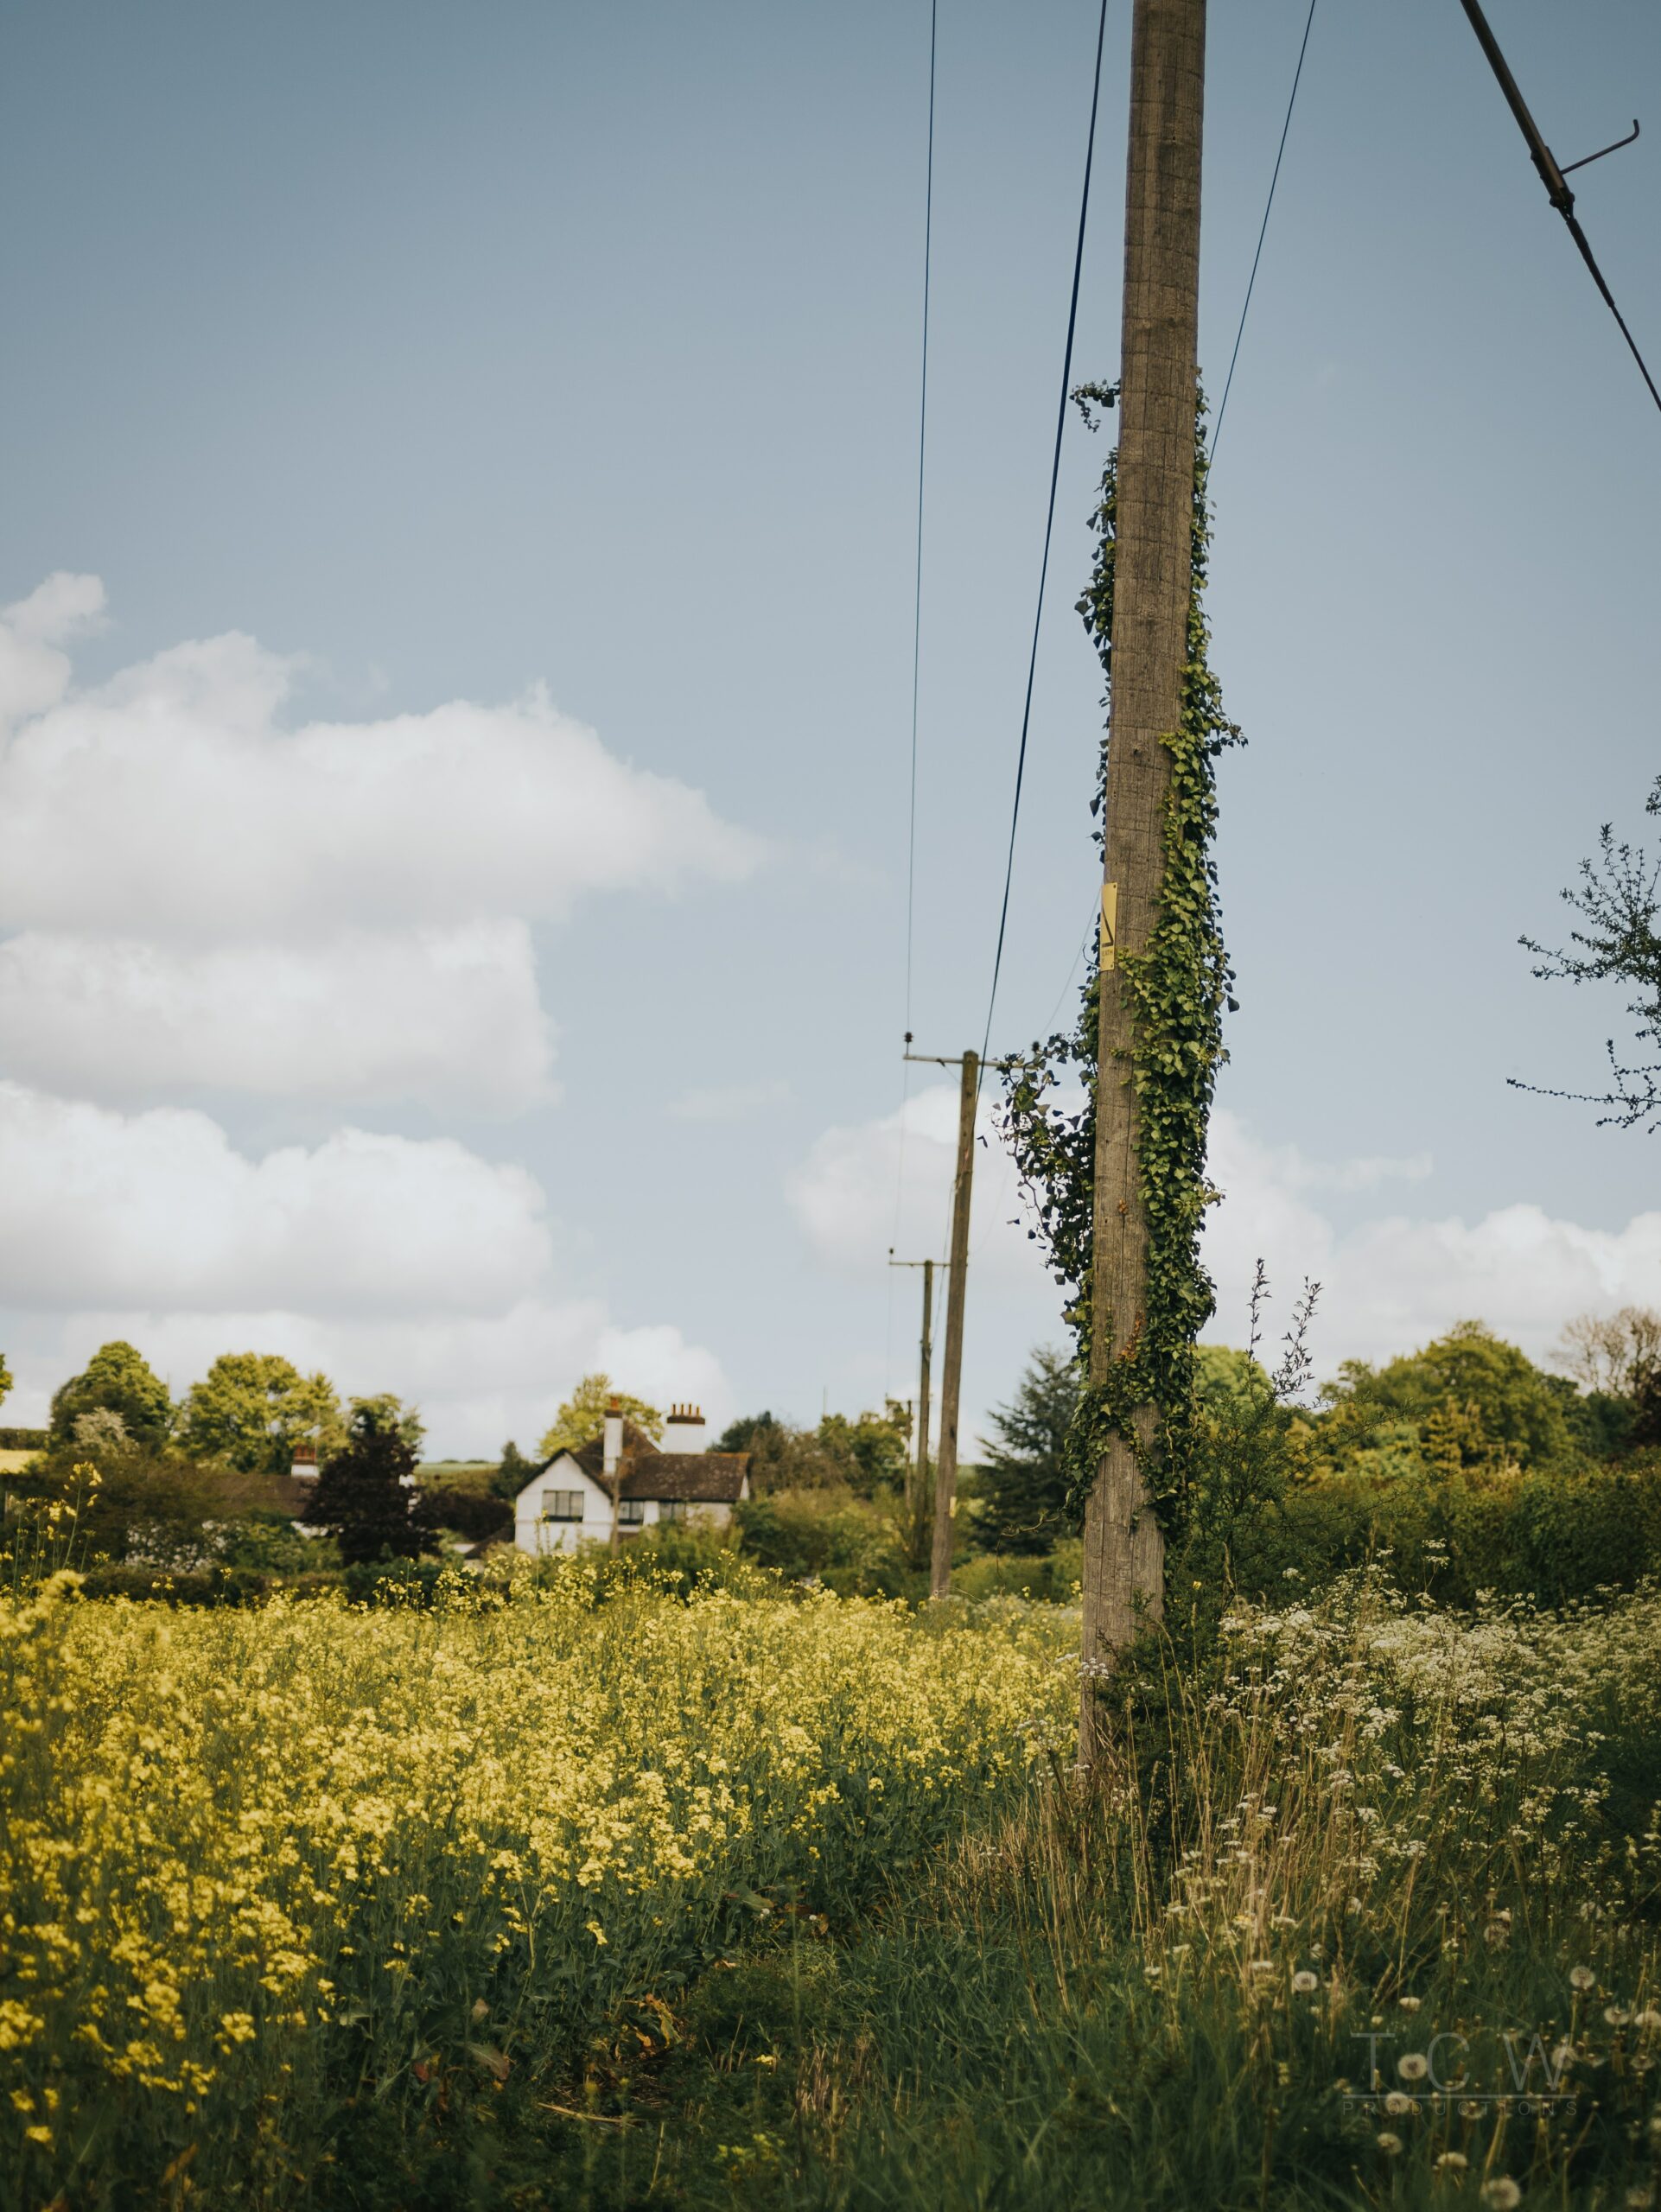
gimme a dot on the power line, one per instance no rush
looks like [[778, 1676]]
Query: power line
[[916, 654], [922, 451], [1049, 524], [1552, 177], [1262, 233]]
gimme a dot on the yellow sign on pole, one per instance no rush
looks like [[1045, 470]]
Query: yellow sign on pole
[[1109, 924]]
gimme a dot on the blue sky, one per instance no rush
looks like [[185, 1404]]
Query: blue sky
[[450, 351]]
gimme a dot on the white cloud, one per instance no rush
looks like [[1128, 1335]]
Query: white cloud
[[733, 1103], [157, 1209], [449, 1017], [1388, 1284], [1391, 1283], [869, 1185], [33, 673], [172, 800]]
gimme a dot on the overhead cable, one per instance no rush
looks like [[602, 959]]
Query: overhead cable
[[1049, 524], [1262, 233]]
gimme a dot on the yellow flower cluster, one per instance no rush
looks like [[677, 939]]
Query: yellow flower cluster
[[245, 1855]]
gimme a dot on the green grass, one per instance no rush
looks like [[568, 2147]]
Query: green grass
[[1092, 2002]]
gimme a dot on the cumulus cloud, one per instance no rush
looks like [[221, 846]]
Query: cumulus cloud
[[1389, 1283], [172, 800], [158, 1209], [451, 1017], [35, 671], [1394, 1280], [207, 897], [868, 1184]]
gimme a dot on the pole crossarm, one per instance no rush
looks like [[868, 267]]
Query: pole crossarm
[[1558, 192]]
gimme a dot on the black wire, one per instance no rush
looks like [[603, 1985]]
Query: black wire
[[1262, 233], [1049, 526], [1582, 241], [922, 448]]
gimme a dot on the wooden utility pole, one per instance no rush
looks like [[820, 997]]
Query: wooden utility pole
[[918, 1503], [927, 1355], [1124, 1564], [946, 1464]]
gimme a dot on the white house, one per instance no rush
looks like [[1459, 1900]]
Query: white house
[[569, 1501]]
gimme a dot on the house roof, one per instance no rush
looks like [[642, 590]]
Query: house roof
[[680, 1477], [592, 1457], [684, 1478]]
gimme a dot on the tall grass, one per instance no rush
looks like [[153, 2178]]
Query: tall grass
[[312, 1904], [1365, 1915]]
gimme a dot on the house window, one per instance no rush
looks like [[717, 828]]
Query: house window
[[631, 1512], [561, 1505], [672, 1509]]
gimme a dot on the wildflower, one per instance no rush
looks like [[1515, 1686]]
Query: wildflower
[[1617, 2015], [1303, 1981], [595, 1931], [1389, 2142], [1452, 2162], [1501, 2193], [1412, 2003], [1399, 2104], [1581, 1977], [1412, 2066]]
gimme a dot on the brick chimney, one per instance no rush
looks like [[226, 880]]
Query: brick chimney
[[613, 1444], [686, 1430]]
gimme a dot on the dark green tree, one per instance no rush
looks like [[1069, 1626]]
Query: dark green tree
[[118, 1380], [364, 1495], [513, 1473], [1025, 1476]]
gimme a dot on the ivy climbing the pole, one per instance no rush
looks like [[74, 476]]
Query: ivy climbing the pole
[[1177, 986]]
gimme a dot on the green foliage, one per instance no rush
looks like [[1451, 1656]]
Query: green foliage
[[583, 1416], [827, 1535], [251, 1408], [1048, 1578], [1558, 1536], [867, 1455], [469, 1503], [1616, 899], [1468, 1394], [118, 1380], [1176, 988], [1025, 1476], [871, 1452], [387, 1410], [513, 1473], [365, 1495], [5, 1379]]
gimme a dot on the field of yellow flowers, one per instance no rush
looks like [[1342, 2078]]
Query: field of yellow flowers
[[297, 1896], [596, 1895]]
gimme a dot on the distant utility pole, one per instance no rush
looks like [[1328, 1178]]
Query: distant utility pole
[[1124, 1551], [945, 1463], [917, 1490]]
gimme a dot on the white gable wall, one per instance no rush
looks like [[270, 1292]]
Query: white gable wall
[[536, 1533]]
